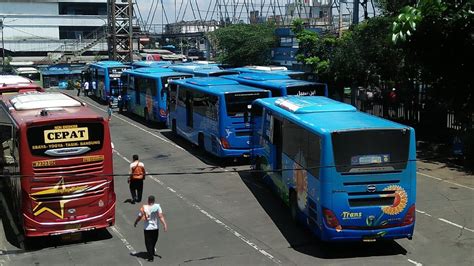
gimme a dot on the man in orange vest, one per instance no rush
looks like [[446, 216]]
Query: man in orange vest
[[137, 175]]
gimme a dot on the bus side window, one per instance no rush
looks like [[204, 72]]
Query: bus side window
[[7, 145]]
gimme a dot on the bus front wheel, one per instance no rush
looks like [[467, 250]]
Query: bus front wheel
[[257, 173], [146, 115], [201, 141], [293, 206], [173, 126]]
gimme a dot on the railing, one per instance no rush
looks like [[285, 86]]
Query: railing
[[79, 46]]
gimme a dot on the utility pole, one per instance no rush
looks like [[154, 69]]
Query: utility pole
[[3, 46], [340, 17], [355, 12], [120, 30]]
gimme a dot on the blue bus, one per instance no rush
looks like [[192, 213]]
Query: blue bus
[[140, 64], [213, 113], [199, 70], [278, 70], [106, 77], [147, 92], [345, 174], [281, 85]]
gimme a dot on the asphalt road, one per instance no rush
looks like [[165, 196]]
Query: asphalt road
[[218, 215]]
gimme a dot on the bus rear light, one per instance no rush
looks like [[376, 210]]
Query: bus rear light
[[410, 216], [225, 143], [331, 219]]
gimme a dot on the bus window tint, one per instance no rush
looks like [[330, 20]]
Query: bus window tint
[[205, 105], [146, 85], [309, 90], [237, 104], [166, 80], [302, 146], [369, 150]]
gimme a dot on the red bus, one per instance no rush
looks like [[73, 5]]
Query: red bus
[[56, 155], [17, 84]]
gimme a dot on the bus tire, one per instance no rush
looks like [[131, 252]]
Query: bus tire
[[201, 141], [173, 127], [258, 174], [146, 115], [293, 202]]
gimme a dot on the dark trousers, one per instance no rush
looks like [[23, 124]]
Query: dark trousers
[[136, 188], [151, 237]]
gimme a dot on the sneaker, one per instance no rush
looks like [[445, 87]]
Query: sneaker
[[151, 259]]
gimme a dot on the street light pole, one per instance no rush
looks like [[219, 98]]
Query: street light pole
[[3, 46]]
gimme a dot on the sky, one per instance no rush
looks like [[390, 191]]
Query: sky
[[146, 8]]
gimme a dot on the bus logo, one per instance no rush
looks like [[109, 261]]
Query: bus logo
[[66, 134], [371, 188]]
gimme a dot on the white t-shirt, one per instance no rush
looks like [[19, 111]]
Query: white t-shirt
[[134, 164], [86, 86], [149, 214]]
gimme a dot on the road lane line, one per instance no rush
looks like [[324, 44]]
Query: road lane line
[[142, 129], [212, 218], [414, 262], [446, 181], [125, 242], [425, 213], [457, 225]]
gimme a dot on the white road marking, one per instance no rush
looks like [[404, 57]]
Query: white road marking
[[214, 219], [142, 129], [414, 262], [457, 225], [125, 242], [446, 181], [425, 213]]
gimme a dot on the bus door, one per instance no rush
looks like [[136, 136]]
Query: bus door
[[189, 109], [277, 137]]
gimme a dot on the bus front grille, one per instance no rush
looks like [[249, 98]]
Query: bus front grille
[[80, 169]]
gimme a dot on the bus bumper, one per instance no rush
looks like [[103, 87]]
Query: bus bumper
[[331, 235], [245, 153], [34, 228]]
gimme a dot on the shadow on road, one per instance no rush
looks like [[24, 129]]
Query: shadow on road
[[302, 240], [38, 243], [205, 157]]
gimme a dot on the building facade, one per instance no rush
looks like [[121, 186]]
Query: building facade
[[44, 27]]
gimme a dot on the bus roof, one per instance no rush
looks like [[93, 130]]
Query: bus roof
[[8, 80], [26, 70], [267, 69], [30, 101], [193, 67], [324, 115], [270, 80], [46, 106], [154, 72], [158, 64], [108, 64], [215, 85]]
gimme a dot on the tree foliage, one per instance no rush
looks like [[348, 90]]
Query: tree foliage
[[244, 44]]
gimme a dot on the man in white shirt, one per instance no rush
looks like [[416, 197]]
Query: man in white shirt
[[86, 88], [150, 213]]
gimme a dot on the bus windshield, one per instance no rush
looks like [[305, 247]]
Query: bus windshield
[[65, 139], [371, 150], [307, 90], [237, 104]]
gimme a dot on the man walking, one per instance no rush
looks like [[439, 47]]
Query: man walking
[[86, 88], [150, 213], [137, 175]]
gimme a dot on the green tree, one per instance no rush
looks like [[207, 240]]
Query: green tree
[[314, 50], [244, 44]]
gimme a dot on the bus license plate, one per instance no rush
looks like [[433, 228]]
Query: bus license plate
[[369, 238], [72, 226]]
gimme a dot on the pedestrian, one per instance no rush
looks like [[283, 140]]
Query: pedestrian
[[150, 213], [78, 90], [86, 88], [109, 111], [94, 86], [137, 175]]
